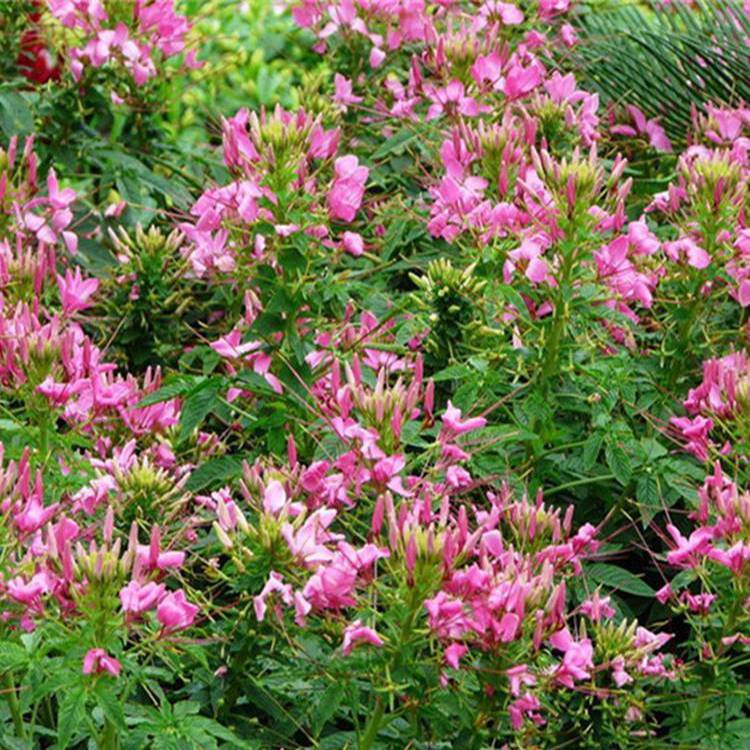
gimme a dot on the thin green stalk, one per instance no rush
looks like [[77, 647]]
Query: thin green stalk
[[14, 707], [109, 739], [373, 725], [579, 483], [375, 722]]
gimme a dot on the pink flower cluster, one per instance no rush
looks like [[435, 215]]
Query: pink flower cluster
[[484, 576], [288, 178], [30, 215], [135, 35], [57, 562], [716, 407], [717, 541]]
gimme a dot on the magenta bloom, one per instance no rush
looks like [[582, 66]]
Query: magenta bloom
[[138, 598], [356, 633], [453, 423], [345, 196], [454, 653], [175, 612], [97, 660], [75, 292], [687, 551]]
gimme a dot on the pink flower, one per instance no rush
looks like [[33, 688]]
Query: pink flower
[[688, 550], [175, 612], [353, 243], [28, 592], [596, 608], [274, 498], [735, 558], [98, 660], [356, 633], [451, 100], [695, 431], [519, 675], [695, 255], [344, 95], [577, 660], [698, 603], [274, 584], [520, 81], [75, 292], [34, 514], [508, 627], [527, 706], [138, 598], [453, 654], [619, 675], [664, 593], [454, 425], [345, 195]]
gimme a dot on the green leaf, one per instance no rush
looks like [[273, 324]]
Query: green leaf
[[110, 704], [619, 579], [70, 714], [215, 472], [395, 144], [652, 449], [591, 449], [12, 656], [198, 405], [740, 728], [327, 706], [619, 463], [167, 392], [16, 117], [648, 496]]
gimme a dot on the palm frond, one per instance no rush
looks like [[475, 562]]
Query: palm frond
[[666, 60]]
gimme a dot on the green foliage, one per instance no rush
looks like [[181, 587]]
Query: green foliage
[[666, 58]]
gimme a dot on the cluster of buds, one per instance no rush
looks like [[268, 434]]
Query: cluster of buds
[[577, 191], [449, 297]]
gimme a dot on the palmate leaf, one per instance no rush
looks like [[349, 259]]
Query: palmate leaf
[[667, 60]]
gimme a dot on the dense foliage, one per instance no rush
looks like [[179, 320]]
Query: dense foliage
[[374, 374]]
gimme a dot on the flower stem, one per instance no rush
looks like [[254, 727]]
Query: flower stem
[[373, 725], [13, 705]]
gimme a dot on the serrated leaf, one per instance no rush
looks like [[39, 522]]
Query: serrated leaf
[[12, 656], [16, 117], [652, 449], [327, 706], [197, 406], [395, 144], [110, 704], [215, 472], [70, 714], [167, 392], [591, 449], [647, 494], [618, 578], [619, 463]]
